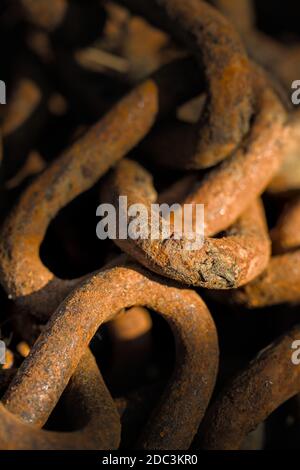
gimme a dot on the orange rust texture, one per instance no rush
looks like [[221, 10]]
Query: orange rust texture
[[228, 74], [225, 189], [76, 170], [89, 401], [36, 388], [280, 282], [281, 60], [269, 380], [22, 272], [221, 263]]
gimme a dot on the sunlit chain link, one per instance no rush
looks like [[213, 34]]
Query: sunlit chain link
[[26, 279], [221, 263], [87, 398], [281, 60], [280, 282], [217, 46], [224, 190], [269, 380], [36, 388]]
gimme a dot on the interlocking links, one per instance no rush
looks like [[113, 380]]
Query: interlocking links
[[89, 402], [78, 168], [269, 380], [210, 36], [280, 59], [221, 263], [69, 331], [225, 189], [25, 278], [280, 282]]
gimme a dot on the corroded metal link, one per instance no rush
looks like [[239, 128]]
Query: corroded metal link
[[23, 275], [225, 189], [36, 289], [99, 299], [280, 282], [221, 263], [229, 107], [98, 418], [281, 60], [269, 380]]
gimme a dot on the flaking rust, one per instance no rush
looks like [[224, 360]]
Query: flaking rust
[[170, 101]]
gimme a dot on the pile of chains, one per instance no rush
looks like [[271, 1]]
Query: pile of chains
[[108, 99]]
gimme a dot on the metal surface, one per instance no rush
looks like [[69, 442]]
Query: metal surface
[[175, 421], [221, 263]]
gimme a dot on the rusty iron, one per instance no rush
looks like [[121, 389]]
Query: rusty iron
[[250, 397], [37, 290], [25, 278], [225, 190], [221, 263], [203, 105], [174, 423], [282, 60], [227, 70], [280, 282], [95, 410]]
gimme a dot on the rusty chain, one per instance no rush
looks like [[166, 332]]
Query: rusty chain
[[160, 101]]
